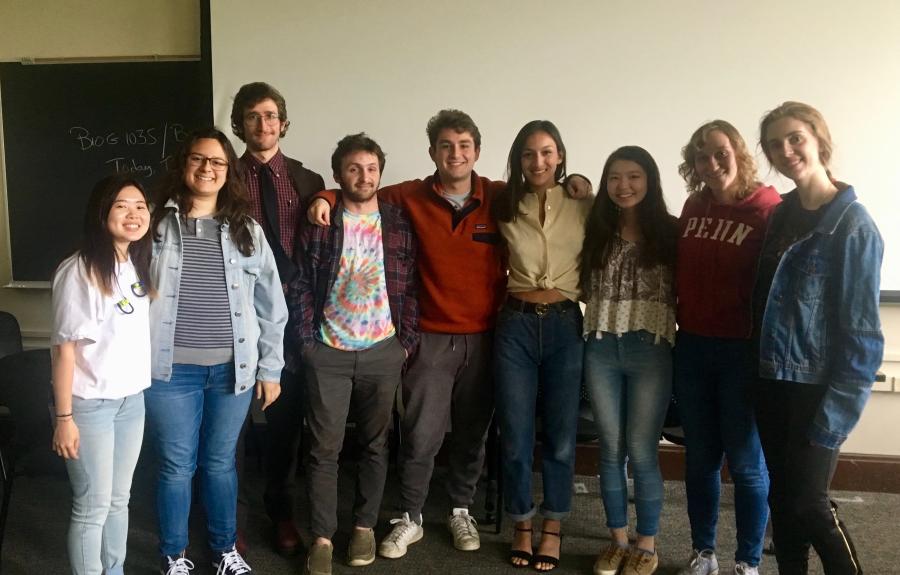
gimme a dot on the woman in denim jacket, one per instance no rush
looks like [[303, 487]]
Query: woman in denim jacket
[[216, 332], [820, 342]]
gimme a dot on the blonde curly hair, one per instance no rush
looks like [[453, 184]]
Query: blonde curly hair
[[746, 164]]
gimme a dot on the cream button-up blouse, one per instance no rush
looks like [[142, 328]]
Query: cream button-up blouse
[[548, 256]]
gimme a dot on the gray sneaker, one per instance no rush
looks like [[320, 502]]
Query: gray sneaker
[[361, 551], [701, 563], [318, 559], [463, 527], [742, 568], [405, 533]]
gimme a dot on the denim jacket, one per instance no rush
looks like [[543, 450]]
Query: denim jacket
[[258, 317], [820, 323]]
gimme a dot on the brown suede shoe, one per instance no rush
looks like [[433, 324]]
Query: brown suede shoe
[[318, 559], [287, 539]]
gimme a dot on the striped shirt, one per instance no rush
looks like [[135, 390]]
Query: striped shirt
[[203, 332]]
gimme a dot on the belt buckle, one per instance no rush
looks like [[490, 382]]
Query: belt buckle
[[541, 309]]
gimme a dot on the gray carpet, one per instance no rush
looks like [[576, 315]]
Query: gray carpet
[[35, 537]]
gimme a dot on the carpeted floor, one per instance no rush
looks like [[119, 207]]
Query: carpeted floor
[[35, 534]]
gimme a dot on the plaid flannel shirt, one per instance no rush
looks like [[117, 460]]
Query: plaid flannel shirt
[[318, 261]]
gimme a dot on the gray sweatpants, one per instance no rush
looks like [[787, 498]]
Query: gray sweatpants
[[447, 384]]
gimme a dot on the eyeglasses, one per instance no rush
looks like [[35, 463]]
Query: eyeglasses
[[125, 306], [198, 161], [268, 117]]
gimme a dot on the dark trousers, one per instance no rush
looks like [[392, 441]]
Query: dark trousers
[[337, 381], [284, 425], [712, 381], [447, 387], [800, 473]]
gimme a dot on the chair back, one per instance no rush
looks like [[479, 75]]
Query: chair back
[[25, 391], [10, 334]]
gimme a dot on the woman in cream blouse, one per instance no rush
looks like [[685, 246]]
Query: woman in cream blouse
[[538, 339]]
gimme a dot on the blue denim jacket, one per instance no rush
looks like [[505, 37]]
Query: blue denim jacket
[[259, 314], [820, 323]]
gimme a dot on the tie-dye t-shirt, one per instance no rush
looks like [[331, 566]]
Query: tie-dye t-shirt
[[357, 314]]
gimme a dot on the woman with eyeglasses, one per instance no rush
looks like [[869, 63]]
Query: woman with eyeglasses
[[216, 331], [101, 366]]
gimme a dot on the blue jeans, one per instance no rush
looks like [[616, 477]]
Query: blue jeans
[[629, 379], [532, 351], [111, 432], [196, 419], [712, 388]]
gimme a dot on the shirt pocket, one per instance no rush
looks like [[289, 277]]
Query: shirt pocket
[[809, 274]]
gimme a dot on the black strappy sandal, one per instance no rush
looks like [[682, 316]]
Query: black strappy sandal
[[519, 554], [553, 561]]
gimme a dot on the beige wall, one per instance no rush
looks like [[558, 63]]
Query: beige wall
[[110, 28], [98, 28]]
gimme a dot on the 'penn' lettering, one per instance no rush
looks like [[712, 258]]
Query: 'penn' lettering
[[700, 228]]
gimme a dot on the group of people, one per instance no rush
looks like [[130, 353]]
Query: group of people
[[454, 299]]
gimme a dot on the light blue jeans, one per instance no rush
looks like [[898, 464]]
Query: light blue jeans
[[196, 419], [111, 432], [629, 380]]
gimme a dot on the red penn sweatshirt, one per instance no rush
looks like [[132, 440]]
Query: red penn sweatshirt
[[718, 249]]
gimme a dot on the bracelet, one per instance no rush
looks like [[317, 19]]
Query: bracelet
[[63, 416]]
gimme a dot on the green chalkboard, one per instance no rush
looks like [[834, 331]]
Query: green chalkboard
[[65, 126]]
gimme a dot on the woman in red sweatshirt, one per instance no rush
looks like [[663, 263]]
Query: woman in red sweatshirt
[[721, 232]]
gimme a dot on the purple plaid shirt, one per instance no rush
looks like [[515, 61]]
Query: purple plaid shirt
[[319, 261], [290, 209]]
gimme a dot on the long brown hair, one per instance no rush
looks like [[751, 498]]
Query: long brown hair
[[809, 116], [506, 204], [232, 205], [98, 252]]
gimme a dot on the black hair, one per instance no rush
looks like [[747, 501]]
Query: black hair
[[658, 228]]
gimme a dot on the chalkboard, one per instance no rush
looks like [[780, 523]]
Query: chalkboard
[[65, 126]]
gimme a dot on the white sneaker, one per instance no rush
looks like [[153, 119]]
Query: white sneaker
[[405, 533], [230, 562], [701, 563], [742, 568], [176, 565], [463, 527]]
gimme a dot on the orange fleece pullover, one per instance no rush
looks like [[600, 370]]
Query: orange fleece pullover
[[461, 259]]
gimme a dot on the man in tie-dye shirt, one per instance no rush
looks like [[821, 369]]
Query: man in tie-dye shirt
[[353, 305]]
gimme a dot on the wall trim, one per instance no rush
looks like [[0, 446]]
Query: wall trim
[[855, 471]]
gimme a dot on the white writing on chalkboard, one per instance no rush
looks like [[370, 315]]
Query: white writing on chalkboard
[[138, 141]]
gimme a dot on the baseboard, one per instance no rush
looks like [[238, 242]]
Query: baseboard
[[855, 472]]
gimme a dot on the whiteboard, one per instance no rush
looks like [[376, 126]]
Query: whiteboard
[[606, 72]]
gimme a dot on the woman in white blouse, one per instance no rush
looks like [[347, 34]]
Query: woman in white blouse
[[101, 366]]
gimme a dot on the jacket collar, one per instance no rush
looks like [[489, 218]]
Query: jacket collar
[[477, 188], [834, 211], [170, 203]]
